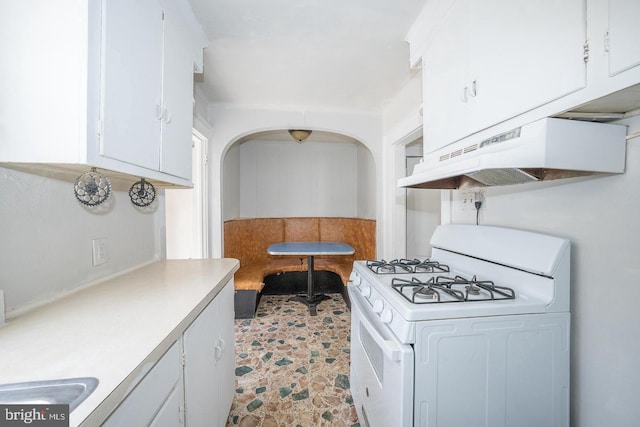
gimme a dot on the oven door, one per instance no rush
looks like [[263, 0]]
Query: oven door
[[381, 369]]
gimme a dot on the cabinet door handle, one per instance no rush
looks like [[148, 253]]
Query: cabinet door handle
[[474, 89], [465, 97], [217, 353], [167, 116], [159, 111]]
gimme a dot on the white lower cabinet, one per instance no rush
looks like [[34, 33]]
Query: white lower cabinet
[[209, 361], [153, 395], [193, 383], [171, 413]]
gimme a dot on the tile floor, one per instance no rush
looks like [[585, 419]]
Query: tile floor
[[292, 369]]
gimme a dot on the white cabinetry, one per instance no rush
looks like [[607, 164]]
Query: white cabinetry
[[193, 383], [156, 399], [147, 88], [99, 83], [623, 42], [209, 362], [131, 99], [492, 60]]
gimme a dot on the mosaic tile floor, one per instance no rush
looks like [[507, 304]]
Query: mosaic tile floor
[[292, 369]]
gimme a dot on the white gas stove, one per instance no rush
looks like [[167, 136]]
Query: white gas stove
[[485, 319]]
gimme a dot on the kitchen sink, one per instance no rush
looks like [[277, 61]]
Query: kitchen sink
[[71, 391]]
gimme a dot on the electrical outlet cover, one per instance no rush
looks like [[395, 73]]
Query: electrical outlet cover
[[100, 251]]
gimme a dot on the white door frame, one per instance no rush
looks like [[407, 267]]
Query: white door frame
[[187, 210], [200, 175]]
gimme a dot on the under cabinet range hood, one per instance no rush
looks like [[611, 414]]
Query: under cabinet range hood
[[542, 150]]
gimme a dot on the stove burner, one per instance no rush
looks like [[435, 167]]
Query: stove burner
[[456, 289], [425, 292], [400, 266], [473, 290], [428, 266]]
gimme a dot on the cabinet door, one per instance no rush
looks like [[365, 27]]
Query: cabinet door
[[200, 381], [177, 100], [524, 54], [151, 394], [624, 35], [42, 81], [209, 381], [131, 81], [446, 107], [170, 414], [493, 60], [225, 360]]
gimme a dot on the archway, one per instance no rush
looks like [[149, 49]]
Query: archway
[[234, 124], [268, 174]]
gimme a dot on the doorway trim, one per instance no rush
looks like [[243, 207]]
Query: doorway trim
[[200, 175], [187, 210]]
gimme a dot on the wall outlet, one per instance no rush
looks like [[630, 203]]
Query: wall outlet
[[100, 251], [468, 199]]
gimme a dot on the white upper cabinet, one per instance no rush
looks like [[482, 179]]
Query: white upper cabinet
[[131, 98], [623, 42], [177, 101], [524, 54], [99, 83], [447, 113], [489, 61], [147, 110]]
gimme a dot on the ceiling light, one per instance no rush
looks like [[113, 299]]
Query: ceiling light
[[299, 134]]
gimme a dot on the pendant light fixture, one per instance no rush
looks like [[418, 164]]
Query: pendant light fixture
[[299, 134]]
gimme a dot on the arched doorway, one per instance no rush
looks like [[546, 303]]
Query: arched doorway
[[269, 174]]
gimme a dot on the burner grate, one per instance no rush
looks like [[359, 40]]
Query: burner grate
[[457, 289], [404, 266]]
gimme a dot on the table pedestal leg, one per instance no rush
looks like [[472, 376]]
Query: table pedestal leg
[[311, 300]]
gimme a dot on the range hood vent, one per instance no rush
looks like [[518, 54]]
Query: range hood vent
[[546, 149]]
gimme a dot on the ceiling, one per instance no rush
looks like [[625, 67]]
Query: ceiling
[[344, 54]]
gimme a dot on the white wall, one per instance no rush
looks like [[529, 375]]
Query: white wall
[[46, 234], [284, 178], [601, 217], [231, 183], [367, 193], [422, 210], [402, 124]]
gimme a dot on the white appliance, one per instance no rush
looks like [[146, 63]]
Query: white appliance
[[476, 336], [542, 150]]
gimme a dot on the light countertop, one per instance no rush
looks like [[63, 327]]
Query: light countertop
[[114, 331]]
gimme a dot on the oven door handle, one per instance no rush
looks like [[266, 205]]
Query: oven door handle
[[389, 347]]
